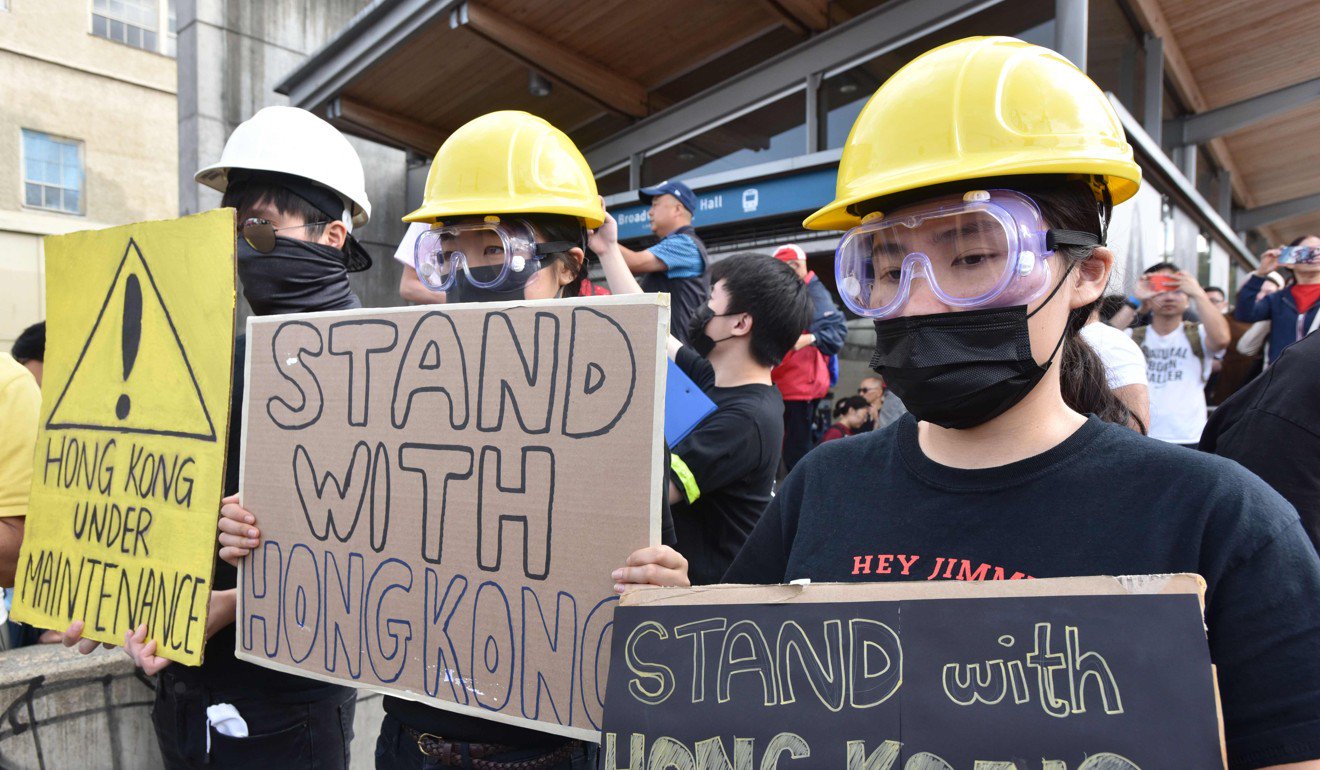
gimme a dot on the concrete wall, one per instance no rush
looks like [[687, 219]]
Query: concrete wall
[[59, 709], [117, 100], [232, 53]]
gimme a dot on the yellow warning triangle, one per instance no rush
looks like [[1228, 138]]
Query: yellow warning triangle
[[133, 374]]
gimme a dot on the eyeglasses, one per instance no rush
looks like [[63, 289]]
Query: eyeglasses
[[260, 234]]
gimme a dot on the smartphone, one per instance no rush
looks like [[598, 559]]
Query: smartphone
[[1160, 282], [1292, 255]]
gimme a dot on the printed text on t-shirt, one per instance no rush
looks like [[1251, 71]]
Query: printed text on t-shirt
[[941, 567]]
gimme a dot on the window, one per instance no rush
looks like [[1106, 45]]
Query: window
[[52, 172], [137, 23]]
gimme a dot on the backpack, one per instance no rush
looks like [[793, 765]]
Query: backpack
[[1190, 328]]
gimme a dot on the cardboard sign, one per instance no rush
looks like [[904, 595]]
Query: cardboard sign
[[442, 493], [1062, 674], [131, 451]]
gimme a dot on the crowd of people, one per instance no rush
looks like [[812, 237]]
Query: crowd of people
[[1010, 392]]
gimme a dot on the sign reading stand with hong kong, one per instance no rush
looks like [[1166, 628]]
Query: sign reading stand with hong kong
[[443, 492], [1059, 674]]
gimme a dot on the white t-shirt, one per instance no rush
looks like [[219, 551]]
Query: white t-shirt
[[404, 253], [1124, 362], [1176, 383]]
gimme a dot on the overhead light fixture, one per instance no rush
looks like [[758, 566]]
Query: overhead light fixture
[[848, 86], [538, 84], [685, 153]]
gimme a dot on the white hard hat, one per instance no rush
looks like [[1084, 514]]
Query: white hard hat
[[293, 141]]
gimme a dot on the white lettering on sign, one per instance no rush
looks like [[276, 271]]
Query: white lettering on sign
[[711, 203]]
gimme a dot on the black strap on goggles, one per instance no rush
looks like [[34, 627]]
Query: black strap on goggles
[[1056, 238], [553, 247]]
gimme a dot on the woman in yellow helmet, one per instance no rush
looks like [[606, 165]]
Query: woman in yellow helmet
[[510, 201], [975, 190]]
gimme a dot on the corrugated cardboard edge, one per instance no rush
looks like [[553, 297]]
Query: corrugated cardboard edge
[[817, 593], [654, 513], [1102, 585]]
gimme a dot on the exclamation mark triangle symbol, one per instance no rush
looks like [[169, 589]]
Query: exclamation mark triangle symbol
[[133, 374]]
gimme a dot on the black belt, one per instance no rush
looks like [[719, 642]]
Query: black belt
[[451, 753]]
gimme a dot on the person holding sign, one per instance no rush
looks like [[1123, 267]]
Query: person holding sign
[[298, 187], [975, 190], [509, 201]]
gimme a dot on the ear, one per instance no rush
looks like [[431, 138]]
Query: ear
[[564, 274], [742, 325], [334, 235], [1091, 276]]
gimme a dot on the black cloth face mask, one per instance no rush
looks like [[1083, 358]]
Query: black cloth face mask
[[961, 369], [294, 277], [465, 291], [700, 341]]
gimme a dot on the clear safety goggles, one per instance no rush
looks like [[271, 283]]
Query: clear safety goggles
[[492, 254], [987, 248]]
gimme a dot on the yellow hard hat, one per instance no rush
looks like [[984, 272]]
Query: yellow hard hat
[[976, 108], [509, 162]]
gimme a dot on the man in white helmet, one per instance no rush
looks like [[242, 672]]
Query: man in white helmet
[[297, 185]]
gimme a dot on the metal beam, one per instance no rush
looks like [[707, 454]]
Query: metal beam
[[387, 128], [1070, 30], [868, 35], [803, 17], [371, 35], [1153, 98], [813, 112], [595, 81], [1249, 219], [1204, 126], [1224, 186]]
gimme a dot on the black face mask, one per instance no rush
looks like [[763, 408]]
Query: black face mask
[[295, 277], [466, 291], [700, 341], [960, 370]]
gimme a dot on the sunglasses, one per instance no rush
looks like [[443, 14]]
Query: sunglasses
[[260, 234]]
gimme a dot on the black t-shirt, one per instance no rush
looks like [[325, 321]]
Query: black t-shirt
[[220, 671], [725, 468], [876, 508], [1272, 427]]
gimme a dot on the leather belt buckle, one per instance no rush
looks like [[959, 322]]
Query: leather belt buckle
[[437, 748]]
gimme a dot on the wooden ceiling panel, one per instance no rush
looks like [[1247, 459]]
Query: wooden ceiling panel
[[1279, 156], [1241, 48]]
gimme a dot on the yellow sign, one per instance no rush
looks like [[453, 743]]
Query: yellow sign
[[130, 459]]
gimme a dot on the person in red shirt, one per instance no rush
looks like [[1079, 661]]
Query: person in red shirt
[[849, 415], [1292, 312]]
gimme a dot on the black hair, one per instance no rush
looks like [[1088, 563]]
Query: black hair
[[1072, 206], [849, 403], [559, 227], [1222, 293], [1298, 241], [1158, 266], [1110, 304], [31, 344], [772, 294], [249, 192]]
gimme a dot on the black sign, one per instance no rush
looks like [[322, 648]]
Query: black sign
[[1033, 683]]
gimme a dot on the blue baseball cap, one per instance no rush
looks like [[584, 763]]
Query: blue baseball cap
[[677, 189]]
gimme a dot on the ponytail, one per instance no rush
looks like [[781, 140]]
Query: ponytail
[[1082, 376], [1072, 206]]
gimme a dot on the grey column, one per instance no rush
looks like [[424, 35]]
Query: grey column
[[1070, 30], [1153, 101]]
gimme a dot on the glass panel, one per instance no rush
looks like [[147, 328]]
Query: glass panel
[[100, 26], [773, 132], [32, 194], [72, 199], [613, 182]]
